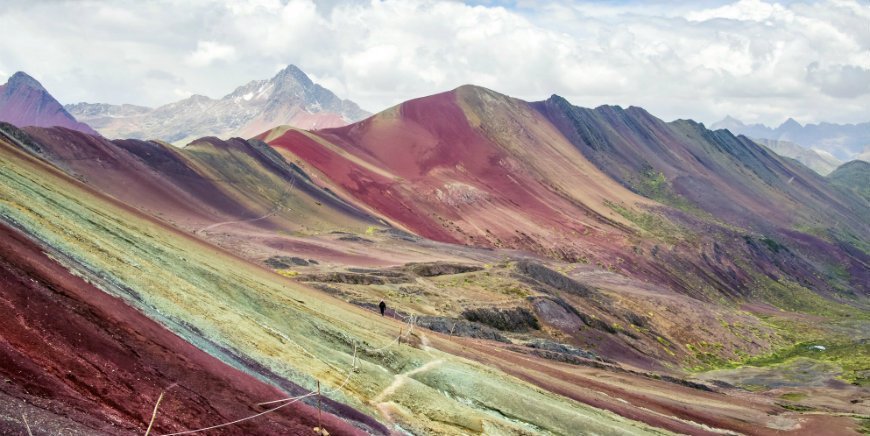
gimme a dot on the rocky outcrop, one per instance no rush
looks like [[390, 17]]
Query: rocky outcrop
[[440, 268], [460, 327], [517, 319]]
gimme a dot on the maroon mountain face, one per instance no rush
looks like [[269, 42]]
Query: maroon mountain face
[[24, 102]]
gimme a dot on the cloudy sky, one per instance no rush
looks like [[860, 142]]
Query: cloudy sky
[[758, 60]]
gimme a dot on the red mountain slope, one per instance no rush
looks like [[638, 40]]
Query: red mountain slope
[[469, 166]]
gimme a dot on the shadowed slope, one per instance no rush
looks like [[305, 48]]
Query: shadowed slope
[[810, 228], [730, 177]]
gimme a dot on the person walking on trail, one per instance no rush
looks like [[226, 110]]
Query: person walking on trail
[[383, 307]]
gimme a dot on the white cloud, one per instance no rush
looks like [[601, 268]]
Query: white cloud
[[843, 81], [744, 10], [181, 93], [701, 60], [209, 51]]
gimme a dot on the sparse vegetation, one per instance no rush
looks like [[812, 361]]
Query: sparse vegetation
[[793, 396], [287, 272], [654, 224], [852, 357]]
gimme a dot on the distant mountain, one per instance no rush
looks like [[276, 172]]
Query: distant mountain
[[25, 102], [102, 112], [289, 98], [819, 161], [853, 176], [844, 141]]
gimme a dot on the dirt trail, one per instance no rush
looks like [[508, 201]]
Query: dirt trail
[[400, 379], [277, 208], [223, 223]]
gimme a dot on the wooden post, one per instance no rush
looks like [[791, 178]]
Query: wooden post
[[319, 425], [353, 364]]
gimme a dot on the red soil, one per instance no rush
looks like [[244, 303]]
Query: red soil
[[79, 354], [432, 132], [375, 190], [427, 147]]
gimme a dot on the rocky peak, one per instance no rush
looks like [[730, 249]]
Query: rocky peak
[[789, 124], [21, 80], [733, 121], [292, 76]]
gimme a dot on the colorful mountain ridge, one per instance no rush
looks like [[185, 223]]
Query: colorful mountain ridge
[[548, 269]]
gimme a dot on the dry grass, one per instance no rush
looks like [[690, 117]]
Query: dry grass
[[26, 425], [154, 414]]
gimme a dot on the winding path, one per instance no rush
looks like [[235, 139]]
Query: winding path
[[215, 225], [400, 379], [278, 206]]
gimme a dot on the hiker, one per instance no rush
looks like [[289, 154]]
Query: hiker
[[383, 307]]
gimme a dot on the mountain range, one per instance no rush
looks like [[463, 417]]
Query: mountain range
[[819, 161], [290, 97], [844, 141], [547, 269]]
